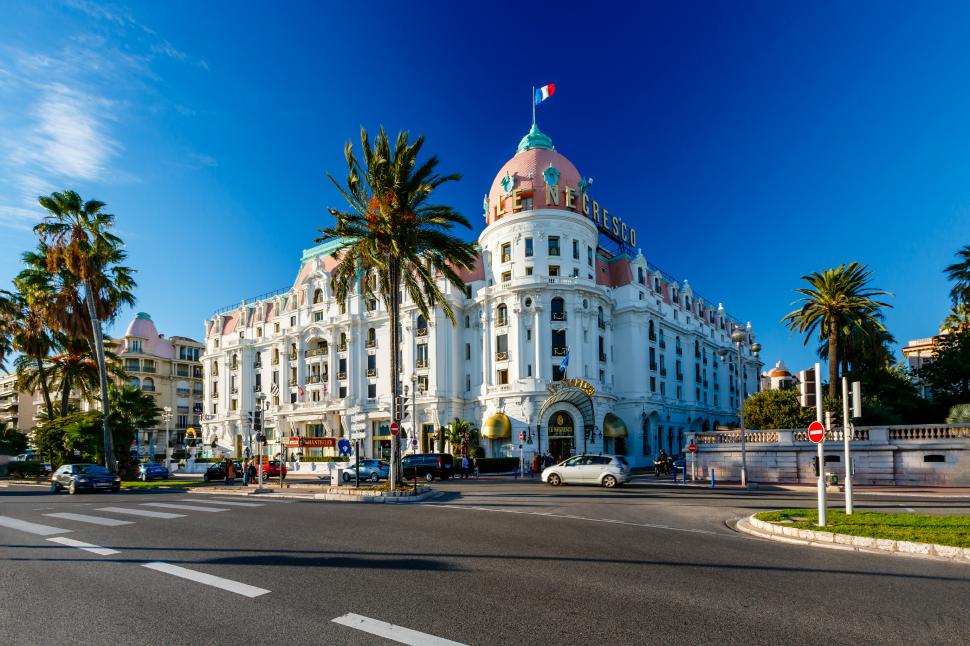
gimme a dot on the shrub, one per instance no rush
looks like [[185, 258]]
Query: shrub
[[23, 469], [323, 458], [496, 465]]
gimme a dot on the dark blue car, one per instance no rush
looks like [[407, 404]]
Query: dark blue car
[[84, 477], [152, 471]]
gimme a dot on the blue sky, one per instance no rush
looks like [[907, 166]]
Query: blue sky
[[750, 143]]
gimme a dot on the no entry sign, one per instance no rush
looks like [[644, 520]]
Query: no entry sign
[[692, 447], [816, 432], [395, 428]]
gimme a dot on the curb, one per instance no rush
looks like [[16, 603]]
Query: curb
[[327, 497], [24, 483], [832, 540]]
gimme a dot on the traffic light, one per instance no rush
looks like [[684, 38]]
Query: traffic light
[[401, 408], [258, 421], [806, 388]]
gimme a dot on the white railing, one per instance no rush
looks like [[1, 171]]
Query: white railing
[[874, 434]]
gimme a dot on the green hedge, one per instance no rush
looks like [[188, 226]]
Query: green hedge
[[23, 469], [493, 465], [324, 458]]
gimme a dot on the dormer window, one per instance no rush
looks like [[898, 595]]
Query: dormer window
[[134, 345]]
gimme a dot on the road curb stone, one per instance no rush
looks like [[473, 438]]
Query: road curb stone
[[771, 531]]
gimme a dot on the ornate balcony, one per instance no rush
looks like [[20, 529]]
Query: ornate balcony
[[559, 352], [501, 356], [421, 331], [558, 316], [602, 357], [342, 347], [421, 363], [341, 376], [371, 343], [372, 372]]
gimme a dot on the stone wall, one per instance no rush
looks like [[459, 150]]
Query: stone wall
[[937, 454]]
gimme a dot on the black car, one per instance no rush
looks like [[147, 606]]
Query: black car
[[217, 471], [84, 477], [428, 466]]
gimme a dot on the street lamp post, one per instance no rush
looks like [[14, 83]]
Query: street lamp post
[[742, 336], [260, 398], [167, 416]]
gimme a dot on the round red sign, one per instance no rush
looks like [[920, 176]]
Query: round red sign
[[692, 447], [395, 428], [816, 432], [521, 436]]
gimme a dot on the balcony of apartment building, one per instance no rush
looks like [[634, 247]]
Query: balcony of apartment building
[[183, 392]]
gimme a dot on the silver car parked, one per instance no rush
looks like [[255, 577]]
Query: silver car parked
[[605, 470]]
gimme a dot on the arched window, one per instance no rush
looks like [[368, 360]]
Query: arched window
[[292, 352], [468, 321], [422, 325], [324, 346], [371, 338], [600, 321], [317, 296], [652, 333], [343, 342], [558, 309], [135, 382], [502, 314], [148, 384]]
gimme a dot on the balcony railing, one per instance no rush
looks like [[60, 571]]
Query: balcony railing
[[313, 379], [148, 369], [652, 336], [341, 376], [602, 357], [663, 372], [421, 363], [372, 372], [679, 351], [501, 356], [680, 376], [276, 361], [316, 352], [257, 365], [293, 356], [182, 392], [214, 372], [653, 366], [502, 322], [148, 389], [559, 352], [342, 347], [601, 325], [371, 343], [234, 390], [558, 316], [662, 344], [421, 331]]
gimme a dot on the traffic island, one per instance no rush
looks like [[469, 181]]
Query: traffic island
[[311, 492], [939, 537]]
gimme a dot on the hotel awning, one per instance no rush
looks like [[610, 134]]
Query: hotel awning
[[613, 426], [497, 427]]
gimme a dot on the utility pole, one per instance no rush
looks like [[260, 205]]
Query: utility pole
[[821, 450]]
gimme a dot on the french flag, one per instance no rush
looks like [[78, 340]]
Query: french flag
[[545, 92]]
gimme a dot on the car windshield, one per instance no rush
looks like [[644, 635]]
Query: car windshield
[[620, 459], [93, 470], [572, 462]]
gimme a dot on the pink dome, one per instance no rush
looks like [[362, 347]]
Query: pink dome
[[527, 172], [142, 326]]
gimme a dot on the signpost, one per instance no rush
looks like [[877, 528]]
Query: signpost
[[395, 428], [821, 444], [692, 449]]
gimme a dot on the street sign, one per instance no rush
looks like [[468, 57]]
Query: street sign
[[521, 436], [816, 432], [358, 435], [414, 443], [395, 428], [692, 447]]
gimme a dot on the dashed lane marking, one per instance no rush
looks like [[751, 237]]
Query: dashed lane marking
[[243, 589], [571, 517], [81, 545], [390, 631], [31, 528], [94, 520], [140, 512], [166, 505], [222, 502]]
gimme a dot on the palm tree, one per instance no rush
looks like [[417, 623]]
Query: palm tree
[[392, 237], [837, 299], [22, 317], [461, 434], [75, 367], [959, 272], [78, 244], [958, 320], [862, 346]]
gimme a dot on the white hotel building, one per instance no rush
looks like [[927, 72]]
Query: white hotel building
[[556, 274]]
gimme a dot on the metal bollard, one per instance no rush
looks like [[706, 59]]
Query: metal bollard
[[712, 477]]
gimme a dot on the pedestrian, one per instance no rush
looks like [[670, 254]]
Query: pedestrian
[[230, 473], [252, 471], [475, 467], [246, 474], [465, 464], [535, 463]]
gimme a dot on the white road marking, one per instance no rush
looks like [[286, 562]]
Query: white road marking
[[81, 545], [593, 520], [31, 528], [223, 502], [166, 505], [244, 589], [276, 500], [94, 520], [140, 512], [390, 631]]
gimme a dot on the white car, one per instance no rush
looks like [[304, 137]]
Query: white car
[[605, 470]]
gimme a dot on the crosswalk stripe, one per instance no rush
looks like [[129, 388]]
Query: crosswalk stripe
[[390, 631], [223, 502], [81, 545], [244, 589], [278, 501], [166, 505], [94, 520], [140, 512], [31, 528]]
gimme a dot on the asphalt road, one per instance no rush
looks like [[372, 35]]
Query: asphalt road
[[488, 562]]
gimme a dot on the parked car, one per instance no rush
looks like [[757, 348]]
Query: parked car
[[151, 471], [372, 470], [84, 477], [29, 457], [272, 470], [606, 470], [428, 466], [45, 469], [217, 471]]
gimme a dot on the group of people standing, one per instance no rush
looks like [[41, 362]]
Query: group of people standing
[[248, 472], [540, 462]]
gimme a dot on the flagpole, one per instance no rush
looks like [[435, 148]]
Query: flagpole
[[533, 105]]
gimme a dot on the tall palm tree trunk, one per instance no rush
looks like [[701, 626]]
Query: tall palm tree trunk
[[42, 376], [109, 452], [394, 275], [65, 394], [833, 357]]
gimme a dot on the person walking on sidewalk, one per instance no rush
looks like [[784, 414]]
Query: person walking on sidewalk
[[465, 465], [230, 473], [246, 473]]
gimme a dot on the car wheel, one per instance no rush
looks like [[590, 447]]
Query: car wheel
[[429, 477], [55, 488], [115, 489], [346, 477], [374, 477], [72, 488], [205, 477], [554, 479], [609, 482]]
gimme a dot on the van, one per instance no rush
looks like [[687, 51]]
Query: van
[[428, 466]]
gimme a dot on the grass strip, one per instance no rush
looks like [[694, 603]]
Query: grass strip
[[152, 484], [917, 528]]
